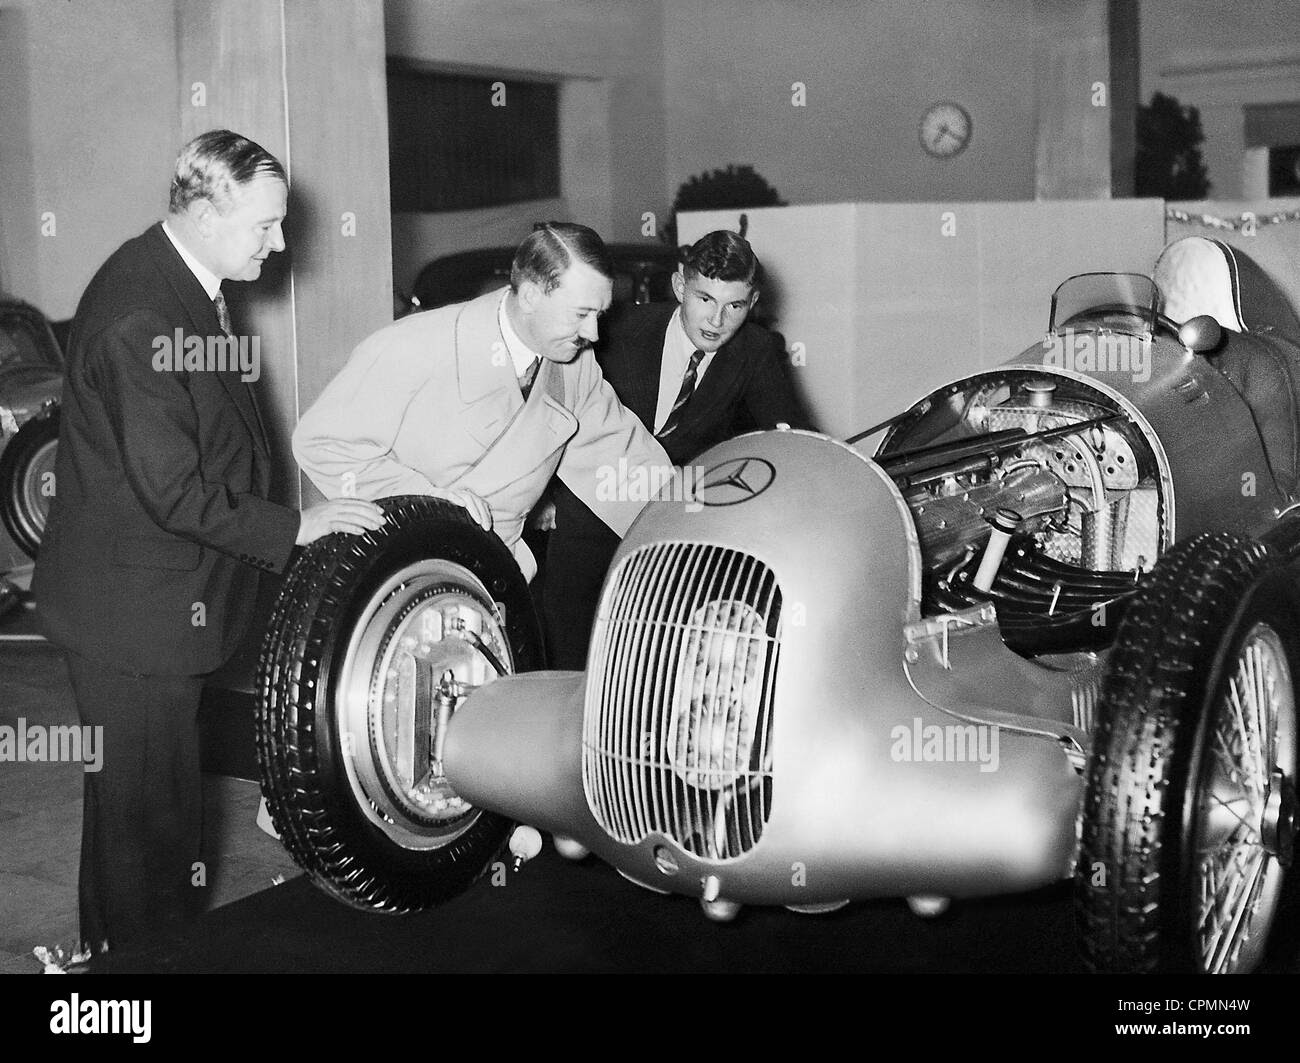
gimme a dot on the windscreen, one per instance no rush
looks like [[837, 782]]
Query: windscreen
[[1121, 302]]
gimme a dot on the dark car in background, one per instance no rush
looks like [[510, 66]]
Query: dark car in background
[[642, 274], [31, 378]]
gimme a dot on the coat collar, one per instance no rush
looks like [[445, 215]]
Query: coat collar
[[186, 287], [494, 410], [483, 365], [515, 446], [645, 336], [202, 313]]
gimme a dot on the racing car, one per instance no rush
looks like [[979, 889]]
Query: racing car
[[1047, 629]]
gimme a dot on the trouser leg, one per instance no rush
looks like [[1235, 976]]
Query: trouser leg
[[142, 816], [575, 571]]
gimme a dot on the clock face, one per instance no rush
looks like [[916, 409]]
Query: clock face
[[945, 129]]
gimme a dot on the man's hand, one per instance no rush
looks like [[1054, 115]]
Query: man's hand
[[355, 516], [469, 501], [543, 516]]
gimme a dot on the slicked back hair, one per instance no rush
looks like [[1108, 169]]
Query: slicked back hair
[[722, 256], [553, 246], [214, 164]]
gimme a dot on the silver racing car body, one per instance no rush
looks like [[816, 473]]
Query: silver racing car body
[[760, 713], [1045, 628]]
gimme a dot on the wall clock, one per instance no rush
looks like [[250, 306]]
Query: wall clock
[[945, 129]]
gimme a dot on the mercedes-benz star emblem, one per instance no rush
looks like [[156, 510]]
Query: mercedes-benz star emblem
[[735, 481]]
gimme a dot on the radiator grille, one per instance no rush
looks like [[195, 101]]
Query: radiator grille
[[1083, 700], [677, 734]]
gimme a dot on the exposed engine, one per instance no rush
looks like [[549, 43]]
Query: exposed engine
[[1071, 480]]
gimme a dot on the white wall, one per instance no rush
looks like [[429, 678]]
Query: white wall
[[870, 70], [89, 130], [885, 302], [689, 87], [1275, 249]]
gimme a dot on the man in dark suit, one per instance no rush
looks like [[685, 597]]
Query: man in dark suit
[[695, 373], [160, 523]]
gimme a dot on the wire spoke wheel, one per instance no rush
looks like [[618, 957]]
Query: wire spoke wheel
[[1188, 824], [1241, 838]]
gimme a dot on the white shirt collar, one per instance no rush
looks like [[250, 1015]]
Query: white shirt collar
[[520, 353], [210, 281], [678, 349]]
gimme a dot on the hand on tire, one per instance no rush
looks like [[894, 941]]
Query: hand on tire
[[355, 516], [326, 816], [543, 518], [470, 502]]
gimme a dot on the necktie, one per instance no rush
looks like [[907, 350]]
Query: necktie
[[223, 319], [530, 374], [223, 313], [683, 396]]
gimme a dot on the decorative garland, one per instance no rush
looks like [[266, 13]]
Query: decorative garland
[[1248, 221]]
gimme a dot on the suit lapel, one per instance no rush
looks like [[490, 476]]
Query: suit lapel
[[202, 313], [241, 393], [651, 360], [636, 360], [186, 287], [716, 382], [711, 392]]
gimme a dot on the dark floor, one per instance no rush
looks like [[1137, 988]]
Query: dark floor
[[551, 916], [40, 817], [555, 916]]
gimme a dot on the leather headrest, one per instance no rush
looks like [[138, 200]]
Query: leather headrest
[[1197, 275]]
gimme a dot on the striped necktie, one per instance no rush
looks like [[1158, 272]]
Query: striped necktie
[[683, 396], [223, 313]]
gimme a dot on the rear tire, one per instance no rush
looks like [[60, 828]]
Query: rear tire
[[27, 480], [362, 631], [1188, 817]]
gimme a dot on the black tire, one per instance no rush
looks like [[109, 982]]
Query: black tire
[[1162, 784], [364, 835], [26, 479]]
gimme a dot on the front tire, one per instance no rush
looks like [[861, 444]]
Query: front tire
[[1189, 807], [364, 632], [27, 480]]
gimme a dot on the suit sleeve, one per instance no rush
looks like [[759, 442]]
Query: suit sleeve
[[769, 395], [613, 464], [344, 442], [155, 425]]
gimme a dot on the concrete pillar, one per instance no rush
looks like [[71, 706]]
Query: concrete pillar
[[312, 91]]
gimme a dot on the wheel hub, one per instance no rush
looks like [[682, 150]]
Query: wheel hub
[[1278, 826], [432, 791], [430, 636], [1247, 807]]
